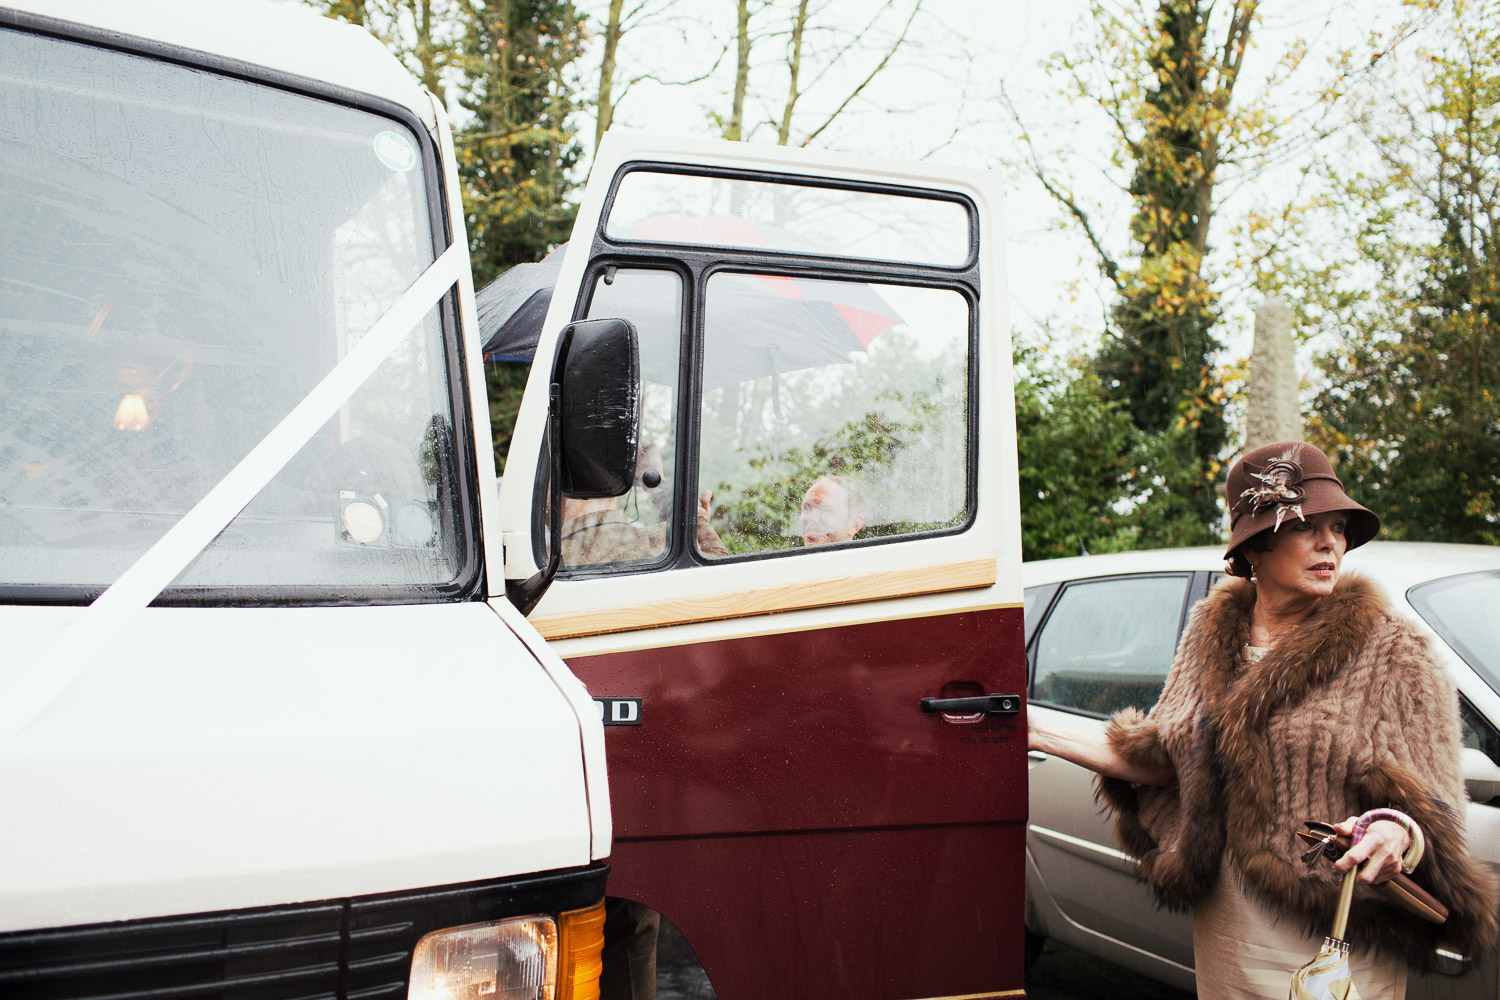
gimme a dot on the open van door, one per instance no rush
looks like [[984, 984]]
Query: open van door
[[803, 624]]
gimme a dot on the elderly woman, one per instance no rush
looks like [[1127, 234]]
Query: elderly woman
[[1296, 694]]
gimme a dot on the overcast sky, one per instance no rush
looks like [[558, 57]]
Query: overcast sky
[[934, 101], [938, 100]]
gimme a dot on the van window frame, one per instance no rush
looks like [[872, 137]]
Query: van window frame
[[697, 264]]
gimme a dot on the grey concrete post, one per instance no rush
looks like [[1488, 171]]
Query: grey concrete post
[[1271, 409]]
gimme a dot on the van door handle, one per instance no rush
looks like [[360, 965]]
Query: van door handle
[[994, 704]]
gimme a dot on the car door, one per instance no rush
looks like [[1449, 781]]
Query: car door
[[827, 536], [1459, 609], [1100, 645]]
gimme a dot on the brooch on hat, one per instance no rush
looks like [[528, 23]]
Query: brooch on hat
[[1279, 487]]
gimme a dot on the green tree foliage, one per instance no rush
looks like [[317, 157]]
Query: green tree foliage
[[1410, 407], [1165, 80], [1160, 358], [517, 153], [1076, 444], [505, 384]]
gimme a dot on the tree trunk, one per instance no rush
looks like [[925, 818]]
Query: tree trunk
[[736, 130], [794, 66], [606, 109]]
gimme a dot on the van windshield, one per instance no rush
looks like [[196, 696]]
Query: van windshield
[[183, 255]]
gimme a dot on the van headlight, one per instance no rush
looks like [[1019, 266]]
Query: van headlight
[[525, 958]]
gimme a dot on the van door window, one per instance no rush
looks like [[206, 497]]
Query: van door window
[[805, 351], [833, 411], [1107, 644], [789, 218]]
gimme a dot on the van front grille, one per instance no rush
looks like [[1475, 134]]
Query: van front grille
[[350, 949]]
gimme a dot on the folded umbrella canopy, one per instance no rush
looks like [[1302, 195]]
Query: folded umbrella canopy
[[1327, 976]]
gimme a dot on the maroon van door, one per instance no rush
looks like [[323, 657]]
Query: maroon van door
[[786, 803], [823, 535]]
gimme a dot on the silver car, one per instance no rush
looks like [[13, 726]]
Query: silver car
[[1100, 634]]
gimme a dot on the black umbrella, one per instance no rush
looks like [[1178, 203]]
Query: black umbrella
[[766, 325], [511, 308]]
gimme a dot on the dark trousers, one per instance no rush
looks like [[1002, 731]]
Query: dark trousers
[[630, 932]]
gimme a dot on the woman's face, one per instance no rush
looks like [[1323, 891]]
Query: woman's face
[[1304, 557]]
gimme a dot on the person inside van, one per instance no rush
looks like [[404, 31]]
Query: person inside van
[[832, 511], [596, 532]]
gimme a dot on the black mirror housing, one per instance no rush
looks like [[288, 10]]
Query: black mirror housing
[[598, 375]]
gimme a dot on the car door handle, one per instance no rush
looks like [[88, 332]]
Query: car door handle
[[994, 704]]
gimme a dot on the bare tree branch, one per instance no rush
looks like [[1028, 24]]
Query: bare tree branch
[[1107, 265], [871, 76]]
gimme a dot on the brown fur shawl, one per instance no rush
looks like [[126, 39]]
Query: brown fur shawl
[[1348, 713]]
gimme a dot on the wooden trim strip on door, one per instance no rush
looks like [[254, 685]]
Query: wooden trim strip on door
[[793, 596]]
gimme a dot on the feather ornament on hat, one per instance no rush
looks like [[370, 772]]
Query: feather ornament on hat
[[1279, 487]]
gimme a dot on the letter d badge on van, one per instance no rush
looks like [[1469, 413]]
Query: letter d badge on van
[[619, 711]]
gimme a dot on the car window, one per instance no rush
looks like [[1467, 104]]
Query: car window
[[1107, 644], [1037, 598], [1461, 610], [1477, 731]]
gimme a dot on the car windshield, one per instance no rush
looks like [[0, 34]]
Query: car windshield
[[183, 256], [1461, 609]]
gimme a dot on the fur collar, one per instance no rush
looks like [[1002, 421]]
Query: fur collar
[[1241, 697]]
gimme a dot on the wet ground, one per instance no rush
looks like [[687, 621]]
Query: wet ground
[[1062, 973], [678, 974]]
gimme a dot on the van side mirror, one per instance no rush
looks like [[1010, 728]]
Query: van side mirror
[[599, 407], [593, 428]]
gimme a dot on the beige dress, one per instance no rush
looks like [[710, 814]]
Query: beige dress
[[1242, 951]]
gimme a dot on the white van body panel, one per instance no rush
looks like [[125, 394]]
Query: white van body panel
[[218, 758], [286, 37], [229, 758]]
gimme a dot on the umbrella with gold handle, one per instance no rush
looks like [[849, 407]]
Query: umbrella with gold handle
[[1327, 976]]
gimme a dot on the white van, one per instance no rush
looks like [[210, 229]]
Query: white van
[[262, 729], [274, 721]]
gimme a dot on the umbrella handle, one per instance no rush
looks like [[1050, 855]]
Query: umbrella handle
[[1346, 896]]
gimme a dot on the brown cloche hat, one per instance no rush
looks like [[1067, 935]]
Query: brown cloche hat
[[1288, 479]]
